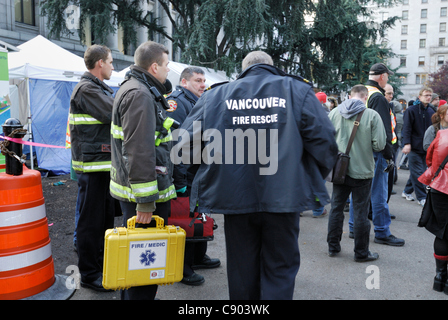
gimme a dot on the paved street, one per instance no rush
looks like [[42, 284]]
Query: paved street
[[405, 273]]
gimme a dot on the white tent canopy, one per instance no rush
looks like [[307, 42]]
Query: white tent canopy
[[46, 75], [176, 68], [39, 58]]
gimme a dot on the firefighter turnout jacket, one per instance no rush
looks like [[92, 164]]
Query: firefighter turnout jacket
[[267, 145], [141, 141], [89, 122]]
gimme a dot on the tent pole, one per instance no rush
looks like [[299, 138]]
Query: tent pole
[[30, 130]]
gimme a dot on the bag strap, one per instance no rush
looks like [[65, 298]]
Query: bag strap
[[441, 167], [355, 128]]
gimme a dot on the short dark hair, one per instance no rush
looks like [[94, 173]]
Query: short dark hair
[[149, 52], [359, 90], [187, 73], [95, 53]]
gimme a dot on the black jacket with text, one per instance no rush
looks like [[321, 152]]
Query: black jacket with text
[[264, 144]]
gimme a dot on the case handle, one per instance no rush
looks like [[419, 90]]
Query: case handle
[[159, 222]]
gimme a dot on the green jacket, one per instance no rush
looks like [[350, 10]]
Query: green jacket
[[370, 137]]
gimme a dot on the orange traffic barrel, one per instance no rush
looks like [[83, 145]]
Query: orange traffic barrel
[[2, 163], [26, 262]]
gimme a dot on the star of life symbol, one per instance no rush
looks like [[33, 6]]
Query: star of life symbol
[[147, 257]]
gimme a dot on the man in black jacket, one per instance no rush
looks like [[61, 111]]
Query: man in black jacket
[[181, 102], [268, 145], [417, 119], [381, 218]]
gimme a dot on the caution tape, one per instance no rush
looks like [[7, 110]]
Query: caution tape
[[28, 143]]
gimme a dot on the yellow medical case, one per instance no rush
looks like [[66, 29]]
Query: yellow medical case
[[143, 256]]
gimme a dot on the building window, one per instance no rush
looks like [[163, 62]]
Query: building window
[[405, 1], [422, 43], [405, 15], [404, 79], [424, 13], [420, 78], [404, 44], [423, 28], [424, 1], [404, 29], [24, 10], [150, 19], [421, 61], [402, 61], [440, 60], [442, 27], [443, 12], [441, 42]]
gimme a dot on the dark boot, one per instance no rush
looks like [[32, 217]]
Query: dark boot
[[445, 290], [441, 274]]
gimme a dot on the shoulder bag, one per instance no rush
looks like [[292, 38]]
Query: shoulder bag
[[427, 211], [341, 167]]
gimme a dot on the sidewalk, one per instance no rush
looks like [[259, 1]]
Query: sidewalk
[[405, 273]]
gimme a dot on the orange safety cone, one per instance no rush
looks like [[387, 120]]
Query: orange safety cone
[[26, 262]]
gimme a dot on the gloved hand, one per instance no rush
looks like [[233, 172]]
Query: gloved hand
[[182, 190], [390, 166]]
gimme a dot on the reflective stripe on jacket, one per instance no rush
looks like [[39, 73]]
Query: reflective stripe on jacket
[[373, 90], [89, 123], [141, 167]]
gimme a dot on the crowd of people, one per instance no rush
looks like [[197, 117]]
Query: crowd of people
[[122, 154], [417, 145]]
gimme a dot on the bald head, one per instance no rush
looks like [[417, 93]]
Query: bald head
[[389, 92], [257, 57]]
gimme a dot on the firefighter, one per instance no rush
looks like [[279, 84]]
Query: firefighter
[[181, 101], [277, 146], [90, 122]]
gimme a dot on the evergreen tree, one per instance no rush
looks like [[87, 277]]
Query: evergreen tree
[[330, 42], [347, 42]]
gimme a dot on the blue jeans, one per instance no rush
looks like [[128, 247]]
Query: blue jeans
[[78, 200], [417, 166], [380, 209], [318, 212]]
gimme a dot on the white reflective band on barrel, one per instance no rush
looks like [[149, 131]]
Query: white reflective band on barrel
[[18, 217], [26, 259]]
